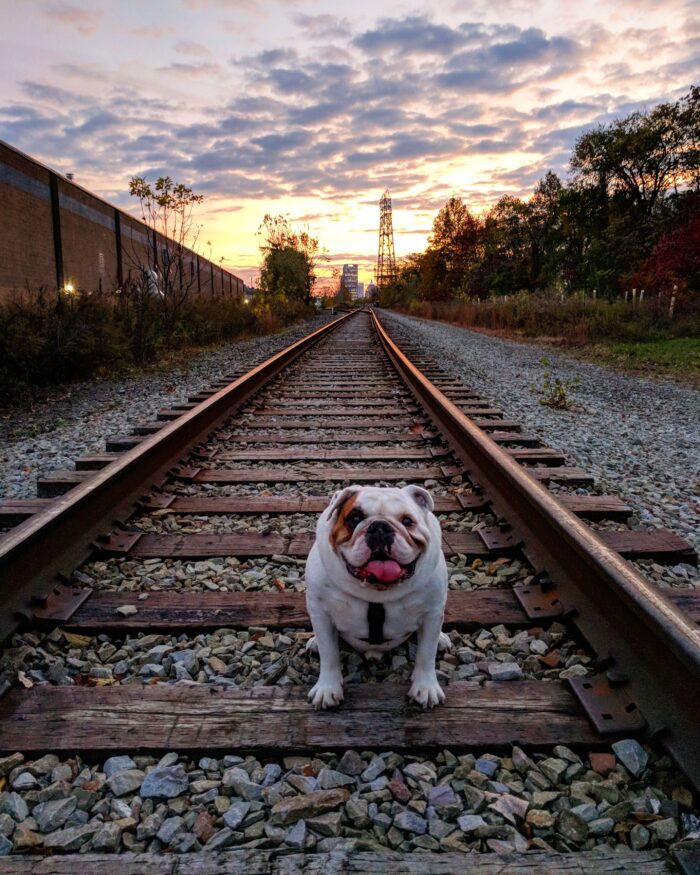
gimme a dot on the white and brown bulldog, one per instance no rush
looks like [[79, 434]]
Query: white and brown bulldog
[[375, 575]]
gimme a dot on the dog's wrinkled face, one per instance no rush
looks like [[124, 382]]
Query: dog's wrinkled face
[[381, 534]]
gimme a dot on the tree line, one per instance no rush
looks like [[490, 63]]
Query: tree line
[[627, 217]]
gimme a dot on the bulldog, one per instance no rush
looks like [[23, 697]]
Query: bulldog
[[375, 575]]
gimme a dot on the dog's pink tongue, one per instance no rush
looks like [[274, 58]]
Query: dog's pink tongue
[[385, 570]]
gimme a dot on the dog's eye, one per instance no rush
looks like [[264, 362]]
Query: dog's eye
[[354, 518], [408, 521]]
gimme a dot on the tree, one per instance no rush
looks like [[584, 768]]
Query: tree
[[639, 156], [456, 247], [165, 264], [289, 259]]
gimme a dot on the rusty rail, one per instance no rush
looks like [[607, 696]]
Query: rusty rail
[[46, 548], [643, 642]]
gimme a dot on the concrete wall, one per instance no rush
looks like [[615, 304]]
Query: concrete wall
[[54, 233]]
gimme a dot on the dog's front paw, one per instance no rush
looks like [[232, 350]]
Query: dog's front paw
[[426, 691], [444, 642], [327, 693]]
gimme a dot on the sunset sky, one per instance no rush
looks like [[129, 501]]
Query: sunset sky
[[313, 108]]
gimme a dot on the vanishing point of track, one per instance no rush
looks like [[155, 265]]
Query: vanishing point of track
[[344, 405]]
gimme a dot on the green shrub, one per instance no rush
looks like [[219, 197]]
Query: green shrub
[[50, 337]]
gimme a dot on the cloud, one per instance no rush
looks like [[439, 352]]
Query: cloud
[[192, 70], [154, 31], [85, 21], [324, 26], [188, 47], [416, 33]]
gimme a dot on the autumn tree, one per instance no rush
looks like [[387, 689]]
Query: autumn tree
[[289, 259]]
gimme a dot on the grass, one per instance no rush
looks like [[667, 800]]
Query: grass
[[671, 357], [641, 339]]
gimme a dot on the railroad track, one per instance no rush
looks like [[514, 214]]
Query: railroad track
[[194, 529]]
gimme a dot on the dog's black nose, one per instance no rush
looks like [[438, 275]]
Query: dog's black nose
[[379, 535]]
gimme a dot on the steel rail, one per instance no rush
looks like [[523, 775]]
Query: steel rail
[[48, 546], [653, 648]]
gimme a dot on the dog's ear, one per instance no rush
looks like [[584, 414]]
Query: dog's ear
[[339, 498], [421, 496]]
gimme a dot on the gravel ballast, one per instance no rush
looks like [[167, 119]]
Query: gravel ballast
[[74, 419], [638, 437], [367, 800]]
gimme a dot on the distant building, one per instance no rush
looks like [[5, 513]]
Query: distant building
[[360, 290], [371, 290], [350, 278]]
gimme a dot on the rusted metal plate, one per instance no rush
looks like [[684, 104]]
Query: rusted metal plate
[[611, 709], [166, 717], [61, 604], [212, 610], [498, 540], [539, 603], [304, 474], [117, 543]]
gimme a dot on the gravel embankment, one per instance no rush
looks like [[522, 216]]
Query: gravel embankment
[[639, 438], [74, 419], [363, 800]]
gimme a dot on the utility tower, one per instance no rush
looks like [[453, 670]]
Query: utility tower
[[386, 261]]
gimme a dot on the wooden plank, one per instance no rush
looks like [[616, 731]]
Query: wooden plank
[[165, 717], [211, 610], [307, 473], [560, 475], [15, 510], [283, 454], [95, 462], [329, 422], [660, 544], [118, 443], [202, 545], [369, 397], [59, 482], [317, 409], [536, 455], [273, 504], [596, 507], [495, 424], [258, 436], [587, 506], [513, 437], [599, 861]]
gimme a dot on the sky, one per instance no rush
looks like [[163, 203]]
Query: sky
[[311, 109]]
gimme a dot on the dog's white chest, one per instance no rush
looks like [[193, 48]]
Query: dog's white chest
[[374, 626]]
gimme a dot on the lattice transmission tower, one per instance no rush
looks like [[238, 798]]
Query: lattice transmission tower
[[386, 261]]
